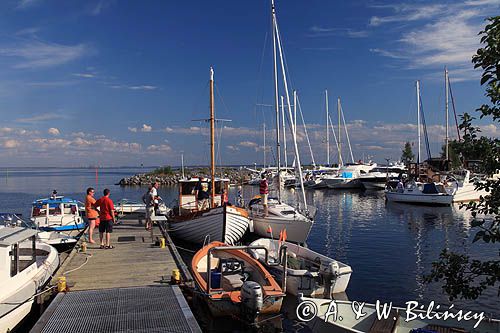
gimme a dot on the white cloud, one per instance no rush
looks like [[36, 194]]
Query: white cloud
[[317, 31], [23, 4], [85, 75], [132, 129], [146, 128], [163, 148], [38, 54], [140, 87], [248, 144], [53, 131], [41, 118], [11, 143]]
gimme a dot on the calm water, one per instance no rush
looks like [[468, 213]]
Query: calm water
[[388, 246]]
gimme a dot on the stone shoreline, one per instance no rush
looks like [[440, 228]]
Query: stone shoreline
[[235, 176]]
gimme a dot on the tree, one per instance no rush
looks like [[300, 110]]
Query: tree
[[462, 276], [453, 153], [408, 155]]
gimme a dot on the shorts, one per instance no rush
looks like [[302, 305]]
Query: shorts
[[106, 226], [150, 211], [264, 198]]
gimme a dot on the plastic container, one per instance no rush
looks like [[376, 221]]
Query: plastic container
[[215, 279]]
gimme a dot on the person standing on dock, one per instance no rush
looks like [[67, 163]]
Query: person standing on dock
[[264, 192], [151, 201], [107, 217], [91, 213]]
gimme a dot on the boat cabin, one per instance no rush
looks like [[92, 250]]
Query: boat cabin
[[190, 199], [17, 251], [48, 211]]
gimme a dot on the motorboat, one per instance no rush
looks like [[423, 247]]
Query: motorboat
[[56, 216], [346, 320], [420, 193], [463, 188], [377, 178], [349, 176], [26, 267], [233, 283], [127, 207], [308, 272], [280, 216]]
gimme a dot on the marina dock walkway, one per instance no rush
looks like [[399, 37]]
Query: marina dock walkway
[[125, 289]]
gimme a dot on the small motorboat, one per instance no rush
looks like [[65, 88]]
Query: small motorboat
[[54, 216], [420, 193], [126, 207], [346, 320], [233, 283], [27, 267], [308, 272]]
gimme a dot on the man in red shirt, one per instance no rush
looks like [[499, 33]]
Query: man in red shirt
[[107, 217]]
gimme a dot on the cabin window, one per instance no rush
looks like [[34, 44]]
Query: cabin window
[[288, 212], [26, 253], [39, 210], [54, 210], [70, 209], [188, 188], [14, 259]]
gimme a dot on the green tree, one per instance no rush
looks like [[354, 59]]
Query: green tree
[[462, 276], [407, 155], [453, 153]]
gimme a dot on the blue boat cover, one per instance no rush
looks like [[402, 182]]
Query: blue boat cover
[[57, 200]]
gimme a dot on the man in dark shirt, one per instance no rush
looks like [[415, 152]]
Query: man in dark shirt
[[107, 217]]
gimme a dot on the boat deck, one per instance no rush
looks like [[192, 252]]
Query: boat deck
[[125, 289]]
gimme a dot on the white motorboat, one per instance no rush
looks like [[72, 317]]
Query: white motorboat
[[308, 272], [420, 193], [346, 319], [55, 216], [211, 218], [349, 176], [280, 217], [126, 206], [26, 266], [463, 188], [376, 179]]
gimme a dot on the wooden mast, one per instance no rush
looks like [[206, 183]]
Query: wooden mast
[[212, 139]]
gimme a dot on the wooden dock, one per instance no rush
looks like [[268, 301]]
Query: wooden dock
[[136, 273]]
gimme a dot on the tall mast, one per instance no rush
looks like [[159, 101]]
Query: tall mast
[[295, 111], [339, 145], [327, 132], [276, 106], [212, 137], [264, 131], [418, 119], [284, 130], [446, 82]]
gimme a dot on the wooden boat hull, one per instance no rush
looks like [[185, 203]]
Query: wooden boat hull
[[227, 300], [418, 198], [225, 224]]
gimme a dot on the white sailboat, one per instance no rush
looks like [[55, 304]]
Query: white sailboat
[[280, 216], [211, 219], [416, 192], [27, 266]]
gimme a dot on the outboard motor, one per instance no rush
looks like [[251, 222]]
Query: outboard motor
[[252, 300], [330, 271]]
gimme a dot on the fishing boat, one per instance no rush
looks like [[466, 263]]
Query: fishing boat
[[308, 272], [54, 216], [395, 321], [235, 284], [213, 219], [27, 266], [279, 215]]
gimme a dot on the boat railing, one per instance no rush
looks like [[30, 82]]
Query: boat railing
[[282, 260]]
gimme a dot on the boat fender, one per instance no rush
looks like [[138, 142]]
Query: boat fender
[[252, 298]]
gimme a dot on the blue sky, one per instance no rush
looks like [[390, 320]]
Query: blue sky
[[119, 82]]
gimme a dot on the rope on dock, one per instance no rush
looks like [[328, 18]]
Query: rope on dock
[[84, 263]]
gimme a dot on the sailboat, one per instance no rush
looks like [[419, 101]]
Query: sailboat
[[198, 221], [280, 216], [416, 192]]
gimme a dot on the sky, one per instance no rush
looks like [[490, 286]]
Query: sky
[[125, 83]]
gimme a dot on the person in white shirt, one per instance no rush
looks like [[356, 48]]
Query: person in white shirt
[[151, 204]]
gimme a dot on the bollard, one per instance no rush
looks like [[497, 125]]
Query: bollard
[[162, 243], [61, 284], [176, 276], [84, 247]]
